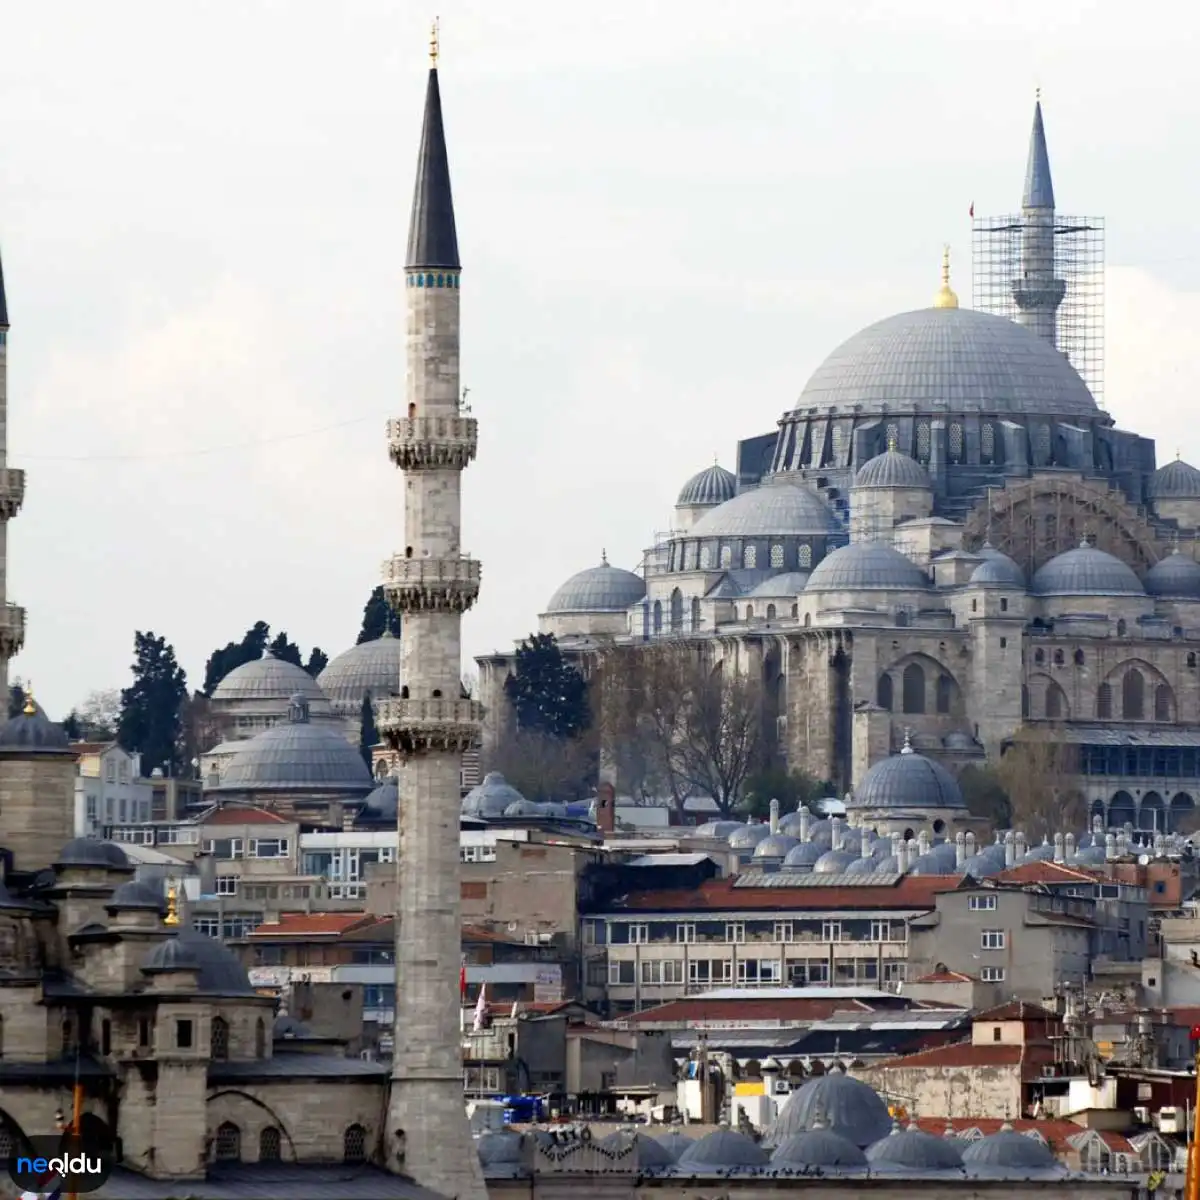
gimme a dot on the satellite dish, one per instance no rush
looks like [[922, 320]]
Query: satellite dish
[[1143, 860]]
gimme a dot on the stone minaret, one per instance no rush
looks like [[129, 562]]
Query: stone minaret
[[432, 583], [12, 493], [1038, 293]]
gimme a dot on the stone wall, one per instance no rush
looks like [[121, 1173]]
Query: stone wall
[[966, 1091], [37, 798]]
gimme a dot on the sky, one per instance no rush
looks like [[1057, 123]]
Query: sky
[[668, 215]]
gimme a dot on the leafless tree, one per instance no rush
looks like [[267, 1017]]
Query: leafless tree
[[99, 714], [1039, 772], [542, 767], [201, 729]]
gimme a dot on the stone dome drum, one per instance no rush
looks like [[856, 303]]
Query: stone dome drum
[[777, 507], [867, 566], [948, 360], [908, 781], [714, 485], [892, 469], [598, 589], [837, 1102], [368, 669], [1086, 571]]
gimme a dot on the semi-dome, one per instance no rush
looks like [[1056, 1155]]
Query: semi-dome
[[270, 678], [913, 1149], [1086, 571], [948, 360], [833, 862], [1176, 575], [368, 669], [1009, 1150], [908, 780], [713, 485], [777, 845], [1175, 481], [218, 971], [867, 566], [722, 1148], [136, 896], [892, 469], [91, 854], [383, 803], [746, 837], [804, 856], [490, 798], [598, 589], [32, 732], [776, 507], [297, 756], [834, 1101], [785, 586], [818, 1148]]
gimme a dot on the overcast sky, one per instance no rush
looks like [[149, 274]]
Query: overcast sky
[[668, 214]]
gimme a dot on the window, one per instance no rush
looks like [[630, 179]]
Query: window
[[992, 974], [658, 616], [143, 1031], [268, 1145], [770, 612], [997, 1033], [91, 808], [228, 1145], [1133, 695], [1163, 703], [652, 972], [227, 885], [805, 557], [956, 442], [783, 931], [1004, 604], [982, 903], [639, 934], [354, 1145], [993, 939], [1104, 702], [913, 689], [268, 847], [699, 970], [1004, 643], [620, 972], [183, 1033], [695, 612], [676, 611], [735, 931], [945, 694], [881, 931], [685, 932], [106, 1037], [750, 557], [923, 441], [260, 1039], [831, 931], [726, 556], [883, 692], [672, 970], [777, 556], [224, 847], [706, 557], [220, 1040]]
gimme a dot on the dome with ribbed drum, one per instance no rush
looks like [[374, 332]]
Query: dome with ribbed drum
[[892, 469], [714, 485], [1175, 481], [1177, 576], [908, 780], [912, 1149], [598, 589], [271, 678], [778, 506], [867, 566], [837, 1102], [218, 971], [368, 669], [1086, 571], [722, 1148]]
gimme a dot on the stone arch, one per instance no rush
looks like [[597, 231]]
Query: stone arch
[[912, 688], [930, 685], [883, 692], [270, 1145], [272, 1117], [1152, 813], [1098, 810], [1132, 685], [1121, 810], [676, 611], [695, 612], [354, 1144], [1048, 701], [1181, 806]]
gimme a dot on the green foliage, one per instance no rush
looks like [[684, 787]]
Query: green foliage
[[790, 788], [235, 654], [71, 726], [285, 650], [151, 721], [318, 660], [368, 734], [549, 696], [378, 618], [985, 795]]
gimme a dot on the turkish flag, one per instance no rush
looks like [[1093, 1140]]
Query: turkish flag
[[972, 212]]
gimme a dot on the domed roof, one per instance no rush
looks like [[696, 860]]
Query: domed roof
[[746, 837], [892, 469], [723, 1148], [1086, 571], [957, 739], [383, 803], [713, 485], [1000, 571], [1176, 575], [135, 896], [716, 829], [271, 678], [952, 360], [818, 1148], [1089, 856], [1010, 1150], [490, 798], [807, 854], [598, 589], [650, 1153], [835, 1101], [93, 854], [833, 862], [778, 506], [865, 866], [982, 866], [674, 1143], [777, 845], [499, 1146], [1042, 853], [1175, 481], [787, 586], [932, 864], [525, 808], [867, 566], [32, 732], [912, 1149], [368, 669], [218, 971], [297, 756], [908, 780]]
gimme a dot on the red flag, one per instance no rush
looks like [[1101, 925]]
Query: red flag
[[972, 212], [462, 980]]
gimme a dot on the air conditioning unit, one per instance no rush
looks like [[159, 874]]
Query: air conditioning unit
[[1141, 1115], [1170, 1120]]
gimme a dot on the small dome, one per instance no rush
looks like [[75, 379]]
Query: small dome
[[1009, 1150], [135, 896], [490, 798], [818, 1148], [723, 1148], [746, 837], [786, 586], [714, 485], [782, 506], [499, 1147], [864, 866], [998, 571], [674, 1143], [716, 829], [1175, 481], [32, 732], [525, 808], [932, 864], [777, 845], [598, 589], [982, 866], [833, 862], [912, 1149], [1176, 575], [383, 803], [835, 1101], [297, 756], [804, 856], [217, 967], [649, 1152], [908, 780], [1090, 856], [867, 566], [368, 669], [892, 469], [93, 854], [1086, 571], [270, 678], [956, 739], [1042, 853]]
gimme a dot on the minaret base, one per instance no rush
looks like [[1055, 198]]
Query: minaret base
[[429, 1138]]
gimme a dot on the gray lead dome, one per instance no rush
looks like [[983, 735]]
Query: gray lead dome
[[892, 469], [713, 485], [1086, 571], [846, 1106], [780, 506], [1176, 575], [218, 971], [368, 669], [598, 589], [908, 780], [268, 678], [1175, 481], [867, 566]]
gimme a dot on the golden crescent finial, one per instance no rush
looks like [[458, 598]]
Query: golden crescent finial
[[29, 708], [172, 917], [434, 43], [945, 297]]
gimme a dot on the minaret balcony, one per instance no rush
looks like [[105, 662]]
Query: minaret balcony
[[432, 443], [434, 724], [448, 585], [12, 629], [12, 492]]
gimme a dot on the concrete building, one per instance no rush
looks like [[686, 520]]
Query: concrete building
[[109, 788]]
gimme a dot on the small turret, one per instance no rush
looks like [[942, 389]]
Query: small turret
[[1022, 848], [805, 822], [902, 856], [774, 817], [970, 845], [1070, 846], [837, 833], [1058, 847], [923, 842], [960, 849], [1010, 849], [1110, 846]]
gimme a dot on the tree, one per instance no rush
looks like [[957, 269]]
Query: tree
[[151, 708], [378, 618], [368, 737], [1039, 772], [71, 727], [791, 788], [285, 650], [548, 694], [985, 795], [235, 654], [318, 660], [543, 767], [200, 728], [98, 715]]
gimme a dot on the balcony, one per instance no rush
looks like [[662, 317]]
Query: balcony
[[12, 492], [432, 443], [447, 585], [433, 725], [12, 629]]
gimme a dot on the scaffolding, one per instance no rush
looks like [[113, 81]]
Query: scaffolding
[[996, 255]]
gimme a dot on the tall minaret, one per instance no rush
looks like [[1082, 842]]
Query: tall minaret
[[430, 723], [12, 493], [1038, 293]]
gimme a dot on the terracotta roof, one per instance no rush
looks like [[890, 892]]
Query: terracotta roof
[[1016, 1010], [477, 933], [1186, 1016], [1030, 1055], [1056, 1132], [238, 814], [311, 925], [382, 930], [909, 891], [1045, 872], [795, 1008], [90, 747], [946, 977]]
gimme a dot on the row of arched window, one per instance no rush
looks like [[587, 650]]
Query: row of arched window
[[706, 556], [1138, 702], [913, 691], [227, 1146]]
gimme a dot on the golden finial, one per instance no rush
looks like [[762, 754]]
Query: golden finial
[[434, 43], [172, 917], [893, 445], [30, 706], [945, 297]]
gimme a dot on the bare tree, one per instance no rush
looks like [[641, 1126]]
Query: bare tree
[[542, 767], [201, 728], [1039, 772], [99, 714]]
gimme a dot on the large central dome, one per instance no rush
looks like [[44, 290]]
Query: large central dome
[[952, 360]]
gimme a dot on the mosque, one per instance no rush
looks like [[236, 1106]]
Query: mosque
[[948, 540]]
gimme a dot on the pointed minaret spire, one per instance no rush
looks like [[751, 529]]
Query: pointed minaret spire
[[1037, 291], [1039, 188], [3, 301], [432, 237]]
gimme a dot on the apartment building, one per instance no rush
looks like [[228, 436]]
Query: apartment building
[[109, 788]]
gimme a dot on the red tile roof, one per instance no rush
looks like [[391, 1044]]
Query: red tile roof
[[238, 814], [1031, 1055], [1056, 1132], [313, 925], [1044, 872], [946, 977], [908, 892], [1016, 1010], [800, 1009]]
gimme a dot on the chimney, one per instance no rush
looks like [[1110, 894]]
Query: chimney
[[923, 842], [606, 808], [837, 833], [805, 816], [960, 849], [867, 844], [902, 857], [897, 841], [1110, 846], [1010, 849], [1058, 847], [774, 817], [1098, 825], [1070, 846], [970, 845], [1160, 845], [1022, 848]]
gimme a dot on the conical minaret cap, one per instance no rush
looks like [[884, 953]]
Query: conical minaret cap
[[1039, 188], [432, 236], [3, 300]]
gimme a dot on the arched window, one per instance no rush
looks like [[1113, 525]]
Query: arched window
[[726, 556], [228, 1145], [705, 558], [658, 616], [1104, 702], [1058, 658], [795, 611], [269, 1145], [750, 557], [1133, 696], [923, 441], [987, 443], [749, 612], [1079, 658], [805, 557], [1122, 627], [883, 692], [354, 1145], [1191, 658], [1056, 703], [913, 689], [1039, 656], [260, 1037], [220, 1040], [1164, 703], [676, 611], [956, 442], [777, 556], [770, 612], [945, 694], [695, 612]]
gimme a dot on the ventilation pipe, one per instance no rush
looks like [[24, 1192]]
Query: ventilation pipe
[[970, 845], [923, 842], [1098, 826], [774, 817], [1022, 849], [1110, 846], [837, 833], [1070, 846], [1010, 850], [902, 857], [805, 817], [865, 846], [1058, 847], [897, 842], [960, 848]]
